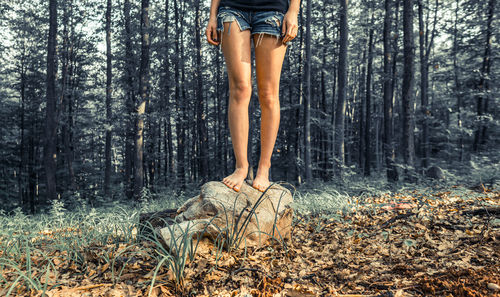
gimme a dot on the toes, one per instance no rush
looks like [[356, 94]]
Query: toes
[[227, 183], [238, 186], [259, 187]]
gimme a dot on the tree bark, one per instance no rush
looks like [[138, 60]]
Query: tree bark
[[408, 84], [458, 86], [107, 170], [389, 154], [179, 104], [368, 152], [165, 107], [483, 87], [307, 97], [201, 115], [130, 69], [342, 89], [425, 47], [50, 153], [141, 106]]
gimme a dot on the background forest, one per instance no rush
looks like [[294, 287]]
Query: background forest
[[109, 100]]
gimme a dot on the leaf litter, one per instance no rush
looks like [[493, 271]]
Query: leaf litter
[[412, 243]]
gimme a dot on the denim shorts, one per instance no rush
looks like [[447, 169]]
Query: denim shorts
[[259, 22]]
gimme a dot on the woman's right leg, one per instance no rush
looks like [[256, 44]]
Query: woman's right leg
[[237, 54]]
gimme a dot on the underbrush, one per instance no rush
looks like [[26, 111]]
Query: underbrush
[[36, 252]]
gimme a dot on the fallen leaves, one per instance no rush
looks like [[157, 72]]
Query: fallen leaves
[[405, 244]]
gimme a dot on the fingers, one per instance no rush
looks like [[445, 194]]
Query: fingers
[[213, 35], [210, 37], [210, 33], [290, 34]]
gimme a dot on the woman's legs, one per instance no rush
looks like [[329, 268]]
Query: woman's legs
[[269, 55], [236, 50]]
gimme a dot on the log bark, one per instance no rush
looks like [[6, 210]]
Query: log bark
[[248, 217]]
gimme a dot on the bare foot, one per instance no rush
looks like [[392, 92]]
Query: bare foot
[[261, 181], [235, 180]]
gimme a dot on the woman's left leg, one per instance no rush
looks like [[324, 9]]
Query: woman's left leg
[[269, 55]]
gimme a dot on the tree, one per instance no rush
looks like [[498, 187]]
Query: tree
[[388, 90], [200, 114], [407, 89], [480, 135], [425, 49], [143, 97], [342, 89], [369, 70], [50, 153], [109, 114], [307, 97], [129, 83]]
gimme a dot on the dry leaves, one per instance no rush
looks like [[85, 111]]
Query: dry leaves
[[406, 244]]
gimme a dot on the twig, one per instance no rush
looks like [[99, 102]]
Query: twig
[[399, 216], [92, 286], [250, 269], [494, 210]]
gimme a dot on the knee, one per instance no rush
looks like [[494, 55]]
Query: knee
[[240, 90], [268, 99]]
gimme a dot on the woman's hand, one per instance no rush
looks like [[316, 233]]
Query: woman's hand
[[211, 31], [290, 26]]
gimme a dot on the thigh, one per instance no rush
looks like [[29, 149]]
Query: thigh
[[269, 55], [235, 45]]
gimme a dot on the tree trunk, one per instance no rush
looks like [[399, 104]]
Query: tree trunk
[[201, 116], [66, 95], [391, 172], [179, 105], [50, 153], [298, 153], [395, 82], [107, 170], [368, 152], [22, 158], [141, 106], [425, 48], [484, 82], [307, 97], [362, 111], [324, 132], [130, 102], [458, 87], [408, 84], [342, 89]]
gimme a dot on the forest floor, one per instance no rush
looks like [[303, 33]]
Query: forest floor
[[432, 242]]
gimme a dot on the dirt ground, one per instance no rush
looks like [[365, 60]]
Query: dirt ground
[[407, 244]]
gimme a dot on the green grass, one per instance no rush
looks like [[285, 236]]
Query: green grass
[[69, 233], [30, 243]]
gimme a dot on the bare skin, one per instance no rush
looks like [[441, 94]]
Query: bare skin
[[236, 50], [269, 55]]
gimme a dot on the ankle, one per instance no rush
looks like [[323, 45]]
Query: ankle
[[264, 165], [242, 167]]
